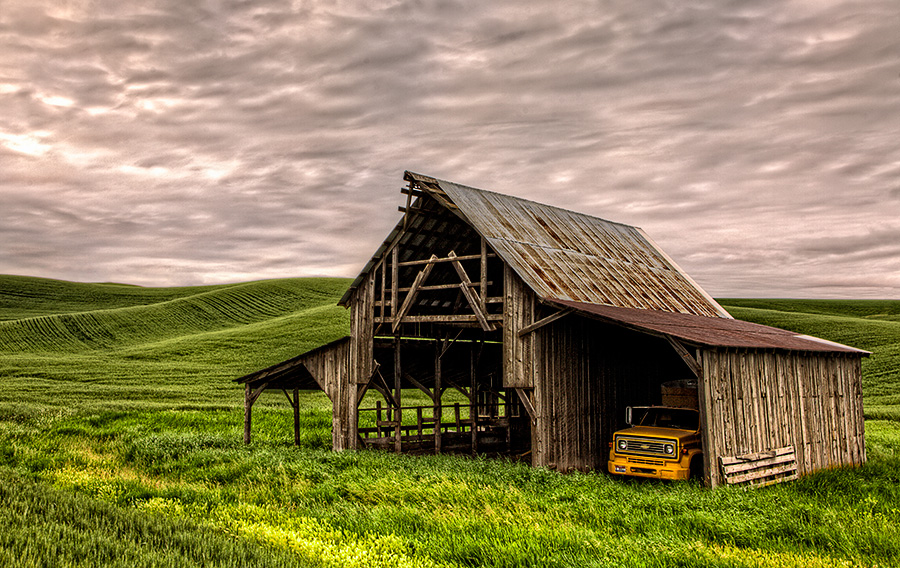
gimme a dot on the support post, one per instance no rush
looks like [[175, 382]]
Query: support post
[[296, 405], [473, 402], [398, 441], [248, 406], [483, 282], [395, 285], [437, 413]]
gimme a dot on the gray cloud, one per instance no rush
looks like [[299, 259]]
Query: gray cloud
[[172, 142]]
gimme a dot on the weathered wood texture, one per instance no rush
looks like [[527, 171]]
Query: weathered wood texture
[[760, 469], [757, 401], [362, 331], [518, 313]]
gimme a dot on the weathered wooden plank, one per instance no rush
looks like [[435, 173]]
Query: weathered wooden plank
[[544, 321], [759, 457], [529, 407], [411, 295], [686, 356], [767, 467], [449, 258], [767, 476], [705, 399], [475, 304]]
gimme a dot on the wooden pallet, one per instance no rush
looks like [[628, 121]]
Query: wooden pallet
[[761, 468]]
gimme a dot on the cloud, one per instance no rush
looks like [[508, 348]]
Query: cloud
[[184, 142]]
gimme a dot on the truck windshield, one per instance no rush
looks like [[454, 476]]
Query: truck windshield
[[680, 418]]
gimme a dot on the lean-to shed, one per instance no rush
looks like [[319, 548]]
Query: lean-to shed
[[546, 324]]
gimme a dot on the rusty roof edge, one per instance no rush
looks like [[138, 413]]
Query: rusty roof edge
[[719, 309], [635, 326], [831, 343], [441, 183]]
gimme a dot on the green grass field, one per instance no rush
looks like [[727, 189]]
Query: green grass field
[[120, 445]]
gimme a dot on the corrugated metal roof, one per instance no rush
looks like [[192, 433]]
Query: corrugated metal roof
[[571, 256], [707, 331]]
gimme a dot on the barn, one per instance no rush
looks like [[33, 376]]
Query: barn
[[491, 324]]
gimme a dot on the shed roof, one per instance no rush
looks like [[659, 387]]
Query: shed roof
[[291, 373], [565, 255], [709, 332]]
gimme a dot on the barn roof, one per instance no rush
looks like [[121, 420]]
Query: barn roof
[[710, 332], [565, 255]]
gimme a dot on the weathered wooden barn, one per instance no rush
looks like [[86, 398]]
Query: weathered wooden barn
[[529, 329]]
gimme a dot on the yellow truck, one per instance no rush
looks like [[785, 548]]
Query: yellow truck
[[662, 442]]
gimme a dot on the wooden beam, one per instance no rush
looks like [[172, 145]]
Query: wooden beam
[[398, 412], [466, 286], [419, 386], [544, 321], [477, 307], [453, 258], [388, 397], [483, 281], [395, 274], [248, 407], [686, 356], [258, 391], [459, 388], [529, 407], [415, 192], [291, 402], [409, 196], [407, 302], [452, 318], [381, 304], [361, 391], [436, 398], [439, 287]]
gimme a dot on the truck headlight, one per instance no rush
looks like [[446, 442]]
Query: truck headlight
[[622, 445], [670, 449]]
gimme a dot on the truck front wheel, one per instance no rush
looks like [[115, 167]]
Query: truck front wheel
[[697, 467]]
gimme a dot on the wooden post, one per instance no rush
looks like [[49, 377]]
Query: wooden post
[[473, 402], [296, 405], [483, 282], [398, 416], [437, 413], [419, 422], [395, 286], [248, 406], [382, 312], [378, 418]]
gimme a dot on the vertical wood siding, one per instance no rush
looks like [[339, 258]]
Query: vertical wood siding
[[758, 401], [362, 329], [518, 312]]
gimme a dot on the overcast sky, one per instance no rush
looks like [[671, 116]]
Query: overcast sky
[[180, 142]]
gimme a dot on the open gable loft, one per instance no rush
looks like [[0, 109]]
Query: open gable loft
[[559, 254]]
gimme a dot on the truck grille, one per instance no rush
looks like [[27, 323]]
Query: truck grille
[[647, 446]]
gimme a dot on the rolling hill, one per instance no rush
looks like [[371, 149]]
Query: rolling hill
[[120, 445]]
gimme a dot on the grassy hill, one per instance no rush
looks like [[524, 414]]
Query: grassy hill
[[873, 325], [120, 444]]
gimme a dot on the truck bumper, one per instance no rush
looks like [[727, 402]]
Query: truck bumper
[[653, 468]]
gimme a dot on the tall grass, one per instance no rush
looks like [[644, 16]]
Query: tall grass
[[128, 451]]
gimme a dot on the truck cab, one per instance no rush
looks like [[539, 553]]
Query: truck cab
[[661, 442]]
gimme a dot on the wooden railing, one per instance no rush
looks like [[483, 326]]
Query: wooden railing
[[386, 424]]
